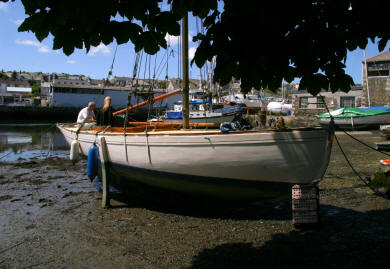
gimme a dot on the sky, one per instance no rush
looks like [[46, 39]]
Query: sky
[[21, 51]]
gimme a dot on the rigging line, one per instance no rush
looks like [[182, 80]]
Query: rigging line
[[5, 155], [159, 72], [346, 157], [180, 40], [365, 144], [136, 66], [113, 61], [356, 172], [108, 75], [168, 54], [139, 68], [150, 93], [162, 60], [200, 69], [146, 64]]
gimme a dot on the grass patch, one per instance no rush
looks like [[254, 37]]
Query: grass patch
[[380, 180]]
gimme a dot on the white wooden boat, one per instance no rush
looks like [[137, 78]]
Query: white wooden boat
[[241, 165], [237, 165]]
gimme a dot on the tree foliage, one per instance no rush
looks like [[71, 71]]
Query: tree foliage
[[3, 76], [14, 75], [259, 42]]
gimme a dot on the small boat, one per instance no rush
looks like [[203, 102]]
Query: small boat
[[253, 101], [385, 131], [383, 146], [356, 118], [199, 112], [279, 108]]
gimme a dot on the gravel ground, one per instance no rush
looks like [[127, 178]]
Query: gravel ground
[[51, 217]]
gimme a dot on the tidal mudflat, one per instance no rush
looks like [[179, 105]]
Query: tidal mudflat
[[51, 217]]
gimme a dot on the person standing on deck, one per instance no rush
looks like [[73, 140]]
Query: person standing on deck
[[104, 116], [86, 115]]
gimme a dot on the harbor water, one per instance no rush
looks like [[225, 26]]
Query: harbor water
[[31, 141]]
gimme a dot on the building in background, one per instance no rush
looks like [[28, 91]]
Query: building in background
[[71, 95], [378, 72], [305, 104], [12, 91]]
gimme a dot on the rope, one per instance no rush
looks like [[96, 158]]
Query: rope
[[5, 155], [346, 157], [135, 72], [366, 144], [356, 172], [150, 106], [108, 76]]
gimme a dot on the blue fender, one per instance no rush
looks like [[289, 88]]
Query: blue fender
[[92, 166]]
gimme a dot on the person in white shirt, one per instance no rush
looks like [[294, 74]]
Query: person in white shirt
[[86, 115]]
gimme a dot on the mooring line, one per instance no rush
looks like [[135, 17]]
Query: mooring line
[[346, 157], [366, 144], [5, 155]]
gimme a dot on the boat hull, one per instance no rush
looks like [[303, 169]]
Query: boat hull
[[236, 165], [217, 119], [368, 122], [132, 178]]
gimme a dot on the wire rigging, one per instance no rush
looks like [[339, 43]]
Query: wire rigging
[[346, 157]]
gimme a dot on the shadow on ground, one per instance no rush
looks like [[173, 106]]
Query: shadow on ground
[[345, 239], [186, 205]]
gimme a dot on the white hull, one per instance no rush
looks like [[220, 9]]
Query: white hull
[[216, 119], [358, 122], [250, 157], [253, 104]]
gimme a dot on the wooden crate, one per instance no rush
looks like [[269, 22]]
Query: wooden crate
[[305, 192], [305, 205], [305, 217]]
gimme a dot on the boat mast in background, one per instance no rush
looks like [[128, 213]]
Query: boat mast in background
[[366, 73], [186, 108]]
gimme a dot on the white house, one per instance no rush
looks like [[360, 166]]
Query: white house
[[11, 91], [66, 95]]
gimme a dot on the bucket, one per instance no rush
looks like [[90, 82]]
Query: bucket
[[385, 165]]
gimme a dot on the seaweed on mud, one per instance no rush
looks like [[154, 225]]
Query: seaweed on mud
[[380, 180], [5, 197]]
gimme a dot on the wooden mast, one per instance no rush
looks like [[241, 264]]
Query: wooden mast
[[186, 108]]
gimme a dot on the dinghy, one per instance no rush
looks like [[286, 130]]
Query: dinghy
[[355, 118]]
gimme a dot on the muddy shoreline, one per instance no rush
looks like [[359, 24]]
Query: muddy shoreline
[[51, 217]]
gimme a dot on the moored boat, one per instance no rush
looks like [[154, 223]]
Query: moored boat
[[199, 111], [355, 118], [237, 165]]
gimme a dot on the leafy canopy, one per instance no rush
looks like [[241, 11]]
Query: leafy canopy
[[259, 42]]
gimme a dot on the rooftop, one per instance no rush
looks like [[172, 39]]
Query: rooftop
[[381, 57]]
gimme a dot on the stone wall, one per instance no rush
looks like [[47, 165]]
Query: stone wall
[[333, 101], [379, 90]]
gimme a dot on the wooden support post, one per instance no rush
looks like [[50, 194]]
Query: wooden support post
[[186, 102], [105, 179]]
